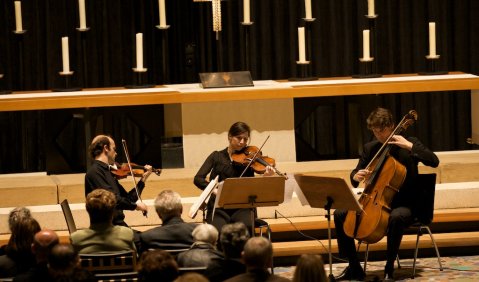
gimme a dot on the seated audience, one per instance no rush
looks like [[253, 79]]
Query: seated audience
[[232, 239], [157, 265], [15, 216], [174, 233], [64, 265], [191, 277], [203, 249], [102, 235], [310, 268], [18, 256], [257, 256], [43, 242]]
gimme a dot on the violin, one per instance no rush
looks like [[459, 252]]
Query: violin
[[252, 156], [123, 170]]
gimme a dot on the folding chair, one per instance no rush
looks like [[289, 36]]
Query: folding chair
[[67, 213]]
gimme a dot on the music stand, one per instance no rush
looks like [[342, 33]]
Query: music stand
[[250, 192], [326, 192]]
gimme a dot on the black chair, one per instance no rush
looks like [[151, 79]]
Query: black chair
[[117, 277], [112, 262], [68, 216]]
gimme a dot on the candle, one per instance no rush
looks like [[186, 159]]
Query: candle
[[18, 16], [432, 39], [139, 51], [65, 55], [246, 12], [301, 45], [307, 9], [366, 53], [161, 5], [371, 8], [81, 10]]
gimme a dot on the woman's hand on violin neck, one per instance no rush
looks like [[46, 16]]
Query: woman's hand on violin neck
[[140, 206], [400, 141], [148, 171], [269, 171]]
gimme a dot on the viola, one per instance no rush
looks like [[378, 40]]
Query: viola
[[252, 156], [122, 170]]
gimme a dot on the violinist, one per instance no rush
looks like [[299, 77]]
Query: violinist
[[409, 152], [103, 151], [220, 163]]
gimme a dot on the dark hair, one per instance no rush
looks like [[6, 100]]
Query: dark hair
[[157, 265], [62, 260], [237, 128], [23, 233], [310, 267], [97, 144], [233, 238], [100, 205], [380, 118]]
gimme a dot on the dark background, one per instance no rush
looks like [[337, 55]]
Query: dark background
[[326, 128]]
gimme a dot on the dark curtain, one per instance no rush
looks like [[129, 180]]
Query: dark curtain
[[105, 55]]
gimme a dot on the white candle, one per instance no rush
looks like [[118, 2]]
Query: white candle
[[366, 53], [301, 45], [246, 12], [307, 9], [18, 16], [65, 55], [161, 5], [81, 10], [432, 39], [371, 8], [139, 51]]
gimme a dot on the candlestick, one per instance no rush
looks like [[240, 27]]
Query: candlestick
[[65, 57], [371, 12], [301, 45], [162, 10], [366, 52], [246, 12], [432, 39], [18, 18], [81, 11], [307, 9], [139, 53]]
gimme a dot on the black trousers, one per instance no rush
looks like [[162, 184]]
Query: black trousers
[[399, 219], [225, 216]]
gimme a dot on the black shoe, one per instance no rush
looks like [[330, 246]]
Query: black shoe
[[388, 275], [352, 273]]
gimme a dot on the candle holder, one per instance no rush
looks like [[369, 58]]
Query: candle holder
[[139, 74], [82, 32], [66, 76], [367, 68], [2, 83], [303, 71], [164, 52], [431, 66], [247, 37], [19, 34]]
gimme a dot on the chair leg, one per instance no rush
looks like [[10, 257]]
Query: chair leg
[[366, 255], [435, 246], [399, 263], [419, 233]]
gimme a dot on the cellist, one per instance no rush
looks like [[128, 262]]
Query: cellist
[[409, 152]]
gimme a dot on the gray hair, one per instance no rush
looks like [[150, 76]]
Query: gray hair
[[205, 233], [16, 215], [168, 204]]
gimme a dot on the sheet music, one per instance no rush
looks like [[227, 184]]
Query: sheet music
[[203, 198]]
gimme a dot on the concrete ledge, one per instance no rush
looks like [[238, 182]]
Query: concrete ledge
[[27, 190]]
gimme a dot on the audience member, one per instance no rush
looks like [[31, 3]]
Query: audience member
[[64, 265], [102, 235], [310, 268], [174, 233], [191, 277], [43, 242], [157, 265], [18, 256], [203, 249], [232, 239], [257, 256]]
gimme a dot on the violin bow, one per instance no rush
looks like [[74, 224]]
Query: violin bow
[[125, 149], [254, 157]]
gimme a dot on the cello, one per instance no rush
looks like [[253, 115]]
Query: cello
[[381, 185]]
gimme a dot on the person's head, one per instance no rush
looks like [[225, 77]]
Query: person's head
[[206, 233], [191, 277], [100, 205], [16, 215], [310, 267], [62, 260], [43, 242], [233, 238], [257, 253], [381, 122], [23, 232], [168, 204], [238, 136], [157, 265], [103, 147]]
